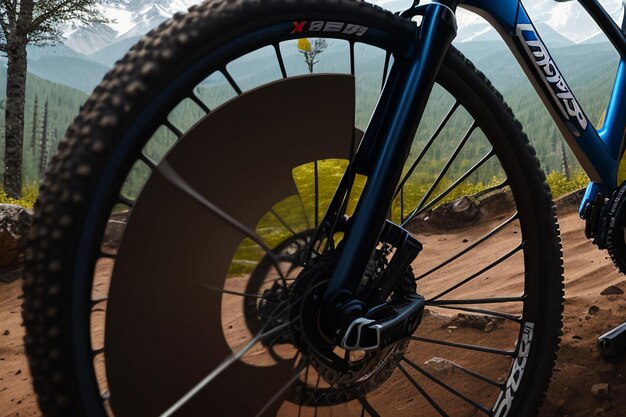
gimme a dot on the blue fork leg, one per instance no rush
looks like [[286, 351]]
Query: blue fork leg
[[383, 151]]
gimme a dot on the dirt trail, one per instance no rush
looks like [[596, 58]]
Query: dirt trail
[[579, 366]]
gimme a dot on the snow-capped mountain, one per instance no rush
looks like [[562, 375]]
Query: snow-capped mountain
[[133, 18], [129, 19]]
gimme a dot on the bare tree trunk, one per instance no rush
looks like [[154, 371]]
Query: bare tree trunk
[[14, 118]]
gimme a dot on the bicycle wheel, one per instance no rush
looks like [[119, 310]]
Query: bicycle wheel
[[168, 269]]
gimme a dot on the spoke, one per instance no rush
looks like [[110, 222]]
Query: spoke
[[107, 255], [281, 63], [486, 237], [385, 69], [241, 294], [352, 58], [479, 273], [231, 81], [283, 222], [317, 193], [96, 301], [278, 279], [235, 356], [193, 96], [282, 390], [401, 204], [168, 172], [484, 312], [368, 407], [422, 391], [444, 170], [317, 384], [306, 218], [427, 146], [462, 178], [306, 379], [125, 201], [494, 188], [447, 387], [341, 198], [478, 376], [498, 300], [173, 129], [148, 161], [483, 349]]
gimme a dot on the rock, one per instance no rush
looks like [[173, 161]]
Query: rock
[[451, 329], [15, 223], [455, 214], [489, 327], [5, 333], [594, 310], [612, 290], [473, 321], [439, 365], [601, 390]]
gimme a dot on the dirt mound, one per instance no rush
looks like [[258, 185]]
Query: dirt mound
[[462, 212]]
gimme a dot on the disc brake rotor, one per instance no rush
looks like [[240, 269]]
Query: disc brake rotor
[[164, 325]]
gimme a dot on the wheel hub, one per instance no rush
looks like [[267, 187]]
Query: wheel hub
[[350, 374]]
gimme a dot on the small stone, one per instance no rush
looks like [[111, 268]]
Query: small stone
[[612, 290], [439, 364], [465, 240], [452, 328], [19, 371], [576, 337], [601, 390], [5, 333], [594, 310], [489, 327]]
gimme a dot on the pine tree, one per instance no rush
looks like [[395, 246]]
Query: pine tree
[[35, 128], [24, 22], [43, 156], [564, 163]]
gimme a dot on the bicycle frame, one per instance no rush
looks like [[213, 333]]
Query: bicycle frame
[[388, 138], [598, 151]]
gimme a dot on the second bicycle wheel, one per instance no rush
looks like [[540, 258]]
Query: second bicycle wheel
[[169, 269]]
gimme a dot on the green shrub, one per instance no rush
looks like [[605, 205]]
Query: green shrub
[[559, 185], [29, 196]]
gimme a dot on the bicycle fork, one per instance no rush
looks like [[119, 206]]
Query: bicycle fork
[[381, 157]]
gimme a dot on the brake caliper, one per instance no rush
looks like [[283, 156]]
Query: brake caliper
[[396, 314]]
